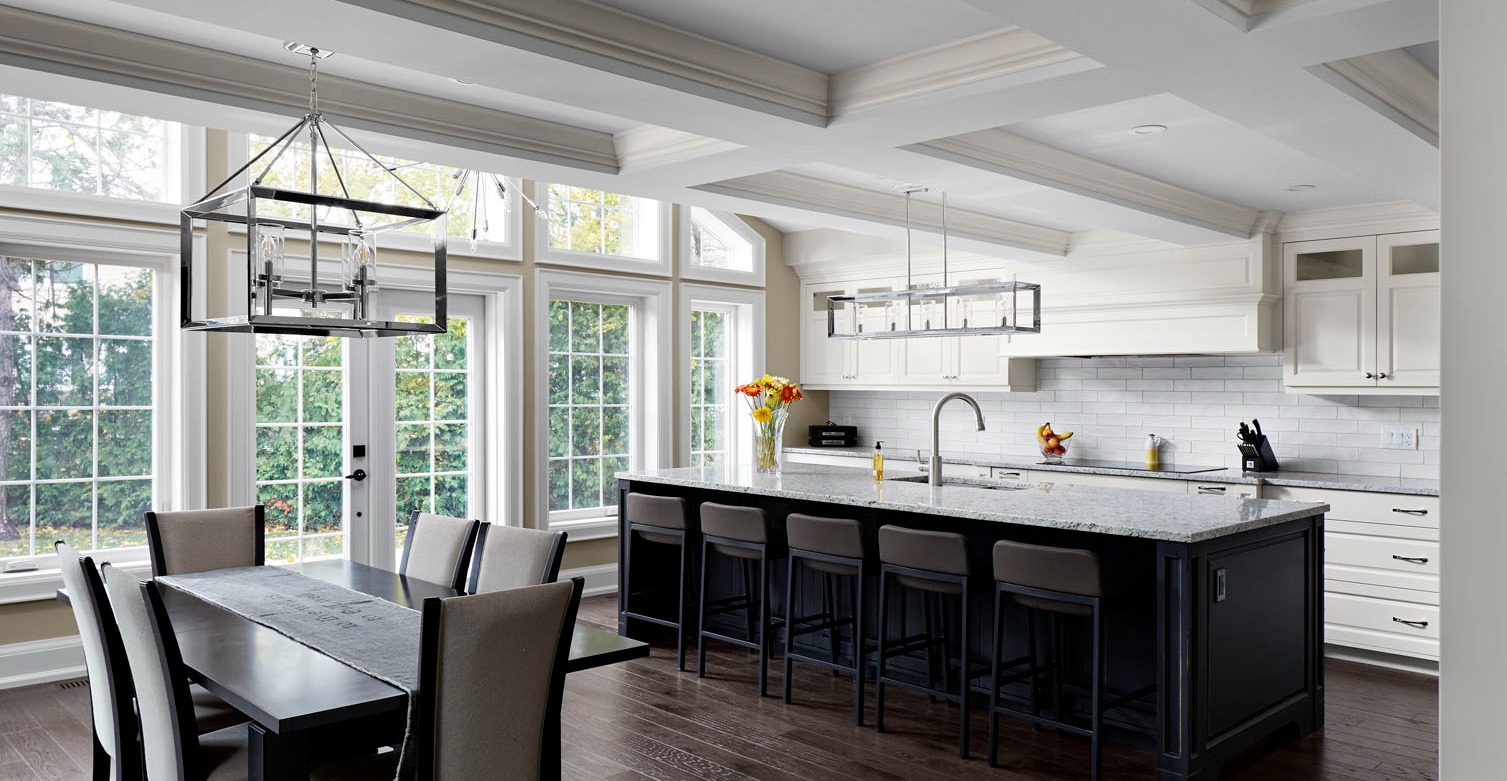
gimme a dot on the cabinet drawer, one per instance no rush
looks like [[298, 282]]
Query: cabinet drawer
[[1006, 473], [1377, 623], [1383, 553], [1223, 489], [1400, 509], [1108, 481]]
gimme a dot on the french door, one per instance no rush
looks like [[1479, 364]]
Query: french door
[[354, 435]]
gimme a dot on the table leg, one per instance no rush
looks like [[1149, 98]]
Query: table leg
[[277, 757]]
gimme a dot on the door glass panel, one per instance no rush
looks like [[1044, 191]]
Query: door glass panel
[[432, 388], [300, 435], [1336, 264], [711, 386], [1415, 259]]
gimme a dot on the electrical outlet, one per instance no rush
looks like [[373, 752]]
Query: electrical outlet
[[1399, 438]]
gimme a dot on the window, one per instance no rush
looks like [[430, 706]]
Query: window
[[432, 390], [77, 399], [481, 214], [721, 345], [603, 230], [720, 247], [300, 444], [601, 350], [589, 400], [711, 386], [59, 146]]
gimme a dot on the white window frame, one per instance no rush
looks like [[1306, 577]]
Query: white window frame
[[543, 253], [238, 151], [733, 224], [650, 415], [179, 422], [747, 358], [185, 177], [502, 368]]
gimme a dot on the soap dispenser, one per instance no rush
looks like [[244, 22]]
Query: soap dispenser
[[1153, 451], [878, 460]]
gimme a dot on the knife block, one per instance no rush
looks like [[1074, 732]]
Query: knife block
[[1258, 457]]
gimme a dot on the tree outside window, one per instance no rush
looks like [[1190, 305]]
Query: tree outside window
[[601, 223], [590, 394], [59, 146], [711, 386], [76, 405]]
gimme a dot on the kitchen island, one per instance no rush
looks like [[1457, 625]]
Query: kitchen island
[[1221, 598]]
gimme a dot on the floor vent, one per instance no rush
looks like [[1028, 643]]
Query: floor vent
[[74, 684]]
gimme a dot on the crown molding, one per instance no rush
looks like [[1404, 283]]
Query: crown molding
[[808, 192], [1393, 84], [1012, 155], [70, 48], [1368, 220], [607, 38], [650, 146], [997, 54]]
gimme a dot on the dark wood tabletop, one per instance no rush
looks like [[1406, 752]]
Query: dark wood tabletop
[[288, 687]]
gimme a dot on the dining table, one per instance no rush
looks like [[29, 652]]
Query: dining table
[[304, 705]]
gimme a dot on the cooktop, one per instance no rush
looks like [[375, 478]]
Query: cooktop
[[1138, 466]]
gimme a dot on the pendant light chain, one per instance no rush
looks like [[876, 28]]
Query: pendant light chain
[[313, 81]]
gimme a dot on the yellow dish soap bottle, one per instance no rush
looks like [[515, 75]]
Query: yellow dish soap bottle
[[1153, 451], [878, 461]]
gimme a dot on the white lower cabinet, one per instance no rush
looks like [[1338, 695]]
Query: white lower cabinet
[[1237, 490], [1381, 570]]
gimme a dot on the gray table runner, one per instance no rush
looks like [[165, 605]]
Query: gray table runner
[[375, 636]]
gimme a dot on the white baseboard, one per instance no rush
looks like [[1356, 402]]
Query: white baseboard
[[600, 579], [1380, 659], [41, 661]]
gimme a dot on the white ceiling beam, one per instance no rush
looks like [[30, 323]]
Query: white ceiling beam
[[808, 192], [67, 47], [1392, 83], [1033, 161]]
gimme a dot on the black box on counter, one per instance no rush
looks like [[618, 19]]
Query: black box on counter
[[833, 435]]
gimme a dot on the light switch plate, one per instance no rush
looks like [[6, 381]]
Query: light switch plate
[[1399, 438]]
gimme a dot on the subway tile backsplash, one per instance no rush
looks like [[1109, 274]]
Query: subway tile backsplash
[[1195, 403]]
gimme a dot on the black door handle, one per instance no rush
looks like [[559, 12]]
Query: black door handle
[[358, 475], [1413, 559], [1419, 624], [1409, 512]]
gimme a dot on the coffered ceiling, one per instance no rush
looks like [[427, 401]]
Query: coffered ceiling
[[809, 114]]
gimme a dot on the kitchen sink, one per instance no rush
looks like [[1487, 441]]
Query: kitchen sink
[[971, 482]]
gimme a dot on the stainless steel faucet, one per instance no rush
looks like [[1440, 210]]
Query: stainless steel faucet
[[936, 417]]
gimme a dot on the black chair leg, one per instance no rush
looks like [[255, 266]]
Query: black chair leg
[[680, 609], [929, 618], [829, 605], [701, 619], [1096, 711], [763, 623], [749, 617], [1031, 660], [963, 677], [882, 630], [790, 568], [994, 662], [859, 660]]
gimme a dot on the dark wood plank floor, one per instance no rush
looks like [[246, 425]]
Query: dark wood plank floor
[[643, 720]]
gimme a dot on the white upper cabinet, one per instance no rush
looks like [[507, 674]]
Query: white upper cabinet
[[1362, 314]]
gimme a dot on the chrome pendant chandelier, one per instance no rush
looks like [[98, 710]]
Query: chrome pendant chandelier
[[982, 308], [310, 296]]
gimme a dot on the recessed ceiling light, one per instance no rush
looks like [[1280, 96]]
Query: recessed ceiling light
[[463, 82], [1146, 130], [1302, 188]]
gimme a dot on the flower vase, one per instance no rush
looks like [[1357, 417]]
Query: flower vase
[[768, 438]]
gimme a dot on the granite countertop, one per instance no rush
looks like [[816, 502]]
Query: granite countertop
[[1115, 511], [1386, 485]]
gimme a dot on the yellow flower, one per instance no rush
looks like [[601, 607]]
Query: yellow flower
[[762, 414]]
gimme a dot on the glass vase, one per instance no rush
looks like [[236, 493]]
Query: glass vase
[[768, 438]]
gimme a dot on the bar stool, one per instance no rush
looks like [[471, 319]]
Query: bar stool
[[833, 548], [936, 564], [1061, 582], [659, 520], [741, 533]]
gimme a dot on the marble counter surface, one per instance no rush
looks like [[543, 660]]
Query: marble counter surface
[[1120, 512], [1387, 485]]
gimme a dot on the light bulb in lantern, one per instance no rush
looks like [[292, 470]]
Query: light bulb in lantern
[[271, 262], [360, 259]]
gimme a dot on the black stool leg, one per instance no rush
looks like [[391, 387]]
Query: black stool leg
[[994, 662], [1096, 714], [859, 660], [680, 609], [929, 617], [749, 617], [790, 568], [1031, 660], [763, 622], [882, 629], [829, 606], [701, 618], [963, 676]]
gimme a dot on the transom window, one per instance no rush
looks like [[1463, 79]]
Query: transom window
[[47, 145], [711, 386], [590, 393], [77, 398], [586, 222], [721, 247]]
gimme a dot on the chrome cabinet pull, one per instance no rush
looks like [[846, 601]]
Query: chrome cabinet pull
[[1370, 376], [1419, 624], [1012, 475], [1211, 489], [1409, 512], [1412, 559], [1381, 376]]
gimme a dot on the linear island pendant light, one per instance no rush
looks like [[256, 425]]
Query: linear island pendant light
[[914, 312], [285, 297]]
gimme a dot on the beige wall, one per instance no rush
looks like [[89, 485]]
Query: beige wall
[[36, 620]]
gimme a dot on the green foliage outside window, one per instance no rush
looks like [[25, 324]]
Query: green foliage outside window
[[585, 220], [711, 387], [589, 400], [59, 146], [76, 405]]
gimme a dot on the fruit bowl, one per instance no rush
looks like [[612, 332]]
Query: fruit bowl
[[1053, 445]]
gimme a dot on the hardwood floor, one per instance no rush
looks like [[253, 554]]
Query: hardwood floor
[[643, 720]]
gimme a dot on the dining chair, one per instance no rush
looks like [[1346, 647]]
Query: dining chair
[[111, 692], [172, 748], [488, 703], [513, 557], [437, 548], [201, 540]]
